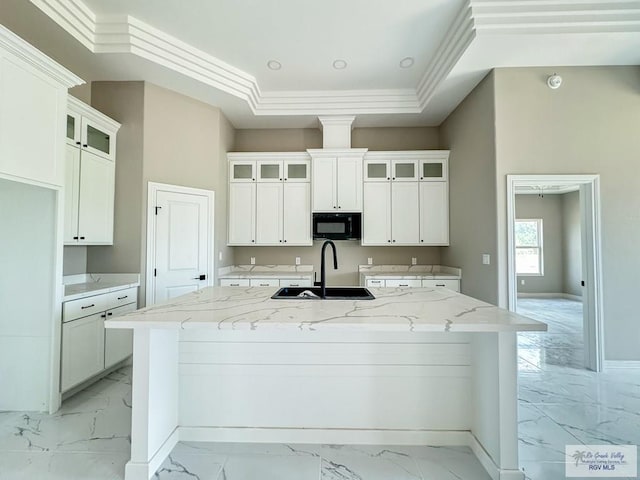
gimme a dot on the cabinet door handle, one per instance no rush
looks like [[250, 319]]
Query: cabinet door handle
[[109, 314], [85, 145], [421, 240], [81, 238], [252, 241], [234, 284], [294, 284], [122, 298], [339, 206], [404, 285], [75, 238], [440, 284], [393, 241], [285, 241], [389, 241], [280, 179], [104, 315], [280, 241], [88, 306], [264, 284]]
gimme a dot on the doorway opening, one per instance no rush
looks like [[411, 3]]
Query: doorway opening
[[554, 265]]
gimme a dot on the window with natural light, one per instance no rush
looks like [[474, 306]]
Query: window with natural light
[[528, 234]]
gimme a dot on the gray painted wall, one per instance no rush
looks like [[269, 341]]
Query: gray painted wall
[[588, 126], [549, 208], [74, 260], [571, 244], [156, 144], [469, 132]]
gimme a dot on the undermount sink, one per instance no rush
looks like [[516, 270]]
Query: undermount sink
[[315, 293]]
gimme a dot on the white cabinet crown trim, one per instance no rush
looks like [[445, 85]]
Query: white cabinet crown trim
[[96, 116], [337, 152], [16, 45]]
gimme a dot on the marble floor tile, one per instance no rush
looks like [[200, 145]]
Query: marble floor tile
[[62, 466], [366, 462], [270, 467], [181, 466]]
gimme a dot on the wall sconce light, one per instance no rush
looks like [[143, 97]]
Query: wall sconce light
[[554, 81]]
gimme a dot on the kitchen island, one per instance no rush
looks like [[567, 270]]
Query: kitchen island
[[414, 366]]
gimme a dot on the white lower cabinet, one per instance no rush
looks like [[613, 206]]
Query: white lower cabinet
[[87, 347], [403, 283], [266, 282], [450, 284], [234, 282], [82, 349], [118, 343]]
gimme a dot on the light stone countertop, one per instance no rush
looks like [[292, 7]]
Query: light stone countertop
[[411, 272], [87, 285], [393, 310], [293, 272]]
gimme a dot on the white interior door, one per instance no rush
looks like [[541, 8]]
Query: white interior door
[[182, 243]]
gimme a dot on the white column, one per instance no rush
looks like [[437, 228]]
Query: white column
[[154, 416]]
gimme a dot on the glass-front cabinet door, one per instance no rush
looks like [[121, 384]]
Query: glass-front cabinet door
[[377, 170], [297, 171], [242, 171], [269, 170], [404, 170], [97, 140], [73, 128], [433, 170]]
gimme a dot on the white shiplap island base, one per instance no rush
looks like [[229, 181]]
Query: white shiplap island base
[[414, 366]]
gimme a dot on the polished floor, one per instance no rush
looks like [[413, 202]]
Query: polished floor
[[559, 403]]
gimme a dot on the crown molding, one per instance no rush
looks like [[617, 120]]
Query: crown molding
[[127, 34], [562, 16], [452, 47], [11, 42], [83, 109]]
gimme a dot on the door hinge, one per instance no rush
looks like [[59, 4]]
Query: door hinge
[[582, 283], [157, 208], [155, 272]]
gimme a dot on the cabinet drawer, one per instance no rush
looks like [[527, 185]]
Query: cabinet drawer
[[264, 282], [375, 283], [450, 284], [300, 282], [234, 282], [122, 297], [403, 283], [83, 307]]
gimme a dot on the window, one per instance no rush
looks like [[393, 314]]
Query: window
[[528, 235]]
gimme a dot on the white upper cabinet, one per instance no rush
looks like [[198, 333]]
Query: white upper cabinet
[[269, 199], [91, 130], [89, 176], [337, 180], [406, 198], [33, 99]]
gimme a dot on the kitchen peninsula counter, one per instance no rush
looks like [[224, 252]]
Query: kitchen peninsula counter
[[421, 366]]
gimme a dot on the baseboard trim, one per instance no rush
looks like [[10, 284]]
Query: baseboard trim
[[325, 436], [621, 364], [568, 296]]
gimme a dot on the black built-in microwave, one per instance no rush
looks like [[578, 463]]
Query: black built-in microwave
[[337, 226]]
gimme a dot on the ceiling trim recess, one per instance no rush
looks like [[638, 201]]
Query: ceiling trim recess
[[562, 16], [127, 34]]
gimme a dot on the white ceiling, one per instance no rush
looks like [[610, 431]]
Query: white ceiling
[[217, 50]]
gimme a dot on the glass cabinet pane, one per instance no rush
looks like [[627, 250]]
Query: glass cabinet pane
[[405, 170], [71, 127], [377, 170], [432, 170], [243, 171], [97, 139], [270, 170], [297, 170]]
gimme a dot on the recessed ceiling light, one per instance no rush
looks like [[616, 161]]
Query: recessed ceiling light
[[406, 62], [339, 64], [274, 65]]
